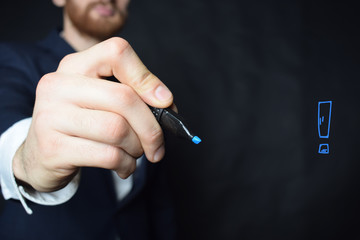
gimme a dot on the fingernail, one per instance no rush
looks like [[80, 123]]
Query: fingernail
[[162, 93], [159, 154]]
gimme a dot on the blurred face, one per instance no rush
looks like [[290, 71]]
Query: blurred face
[[100, 19]]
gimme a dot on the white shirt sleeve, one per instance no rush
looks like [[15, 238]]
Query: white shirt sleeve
[[10, 141]]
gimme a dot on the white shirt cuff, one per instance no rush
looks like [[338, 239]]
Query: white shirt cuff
[[10, 141]]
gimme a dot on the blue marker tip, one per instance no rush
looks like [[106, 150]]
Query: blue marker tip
[[196, 140]]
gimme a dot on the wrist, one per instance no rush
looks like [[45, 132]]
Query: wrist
[[19, 168]]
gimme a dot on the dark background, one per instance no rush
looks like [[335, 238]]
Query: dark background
[[247, 76]]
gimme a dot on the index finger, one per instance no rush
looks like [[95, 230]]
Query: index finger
[[115, 57]]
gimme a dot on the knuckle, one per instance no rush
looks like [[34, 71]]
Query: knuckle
[[116, 129], [154, 136], [126, 96], [45, 84], [66, 61], [112, 157], [127, 170], [138, 152], [117, 45], [119, 161]]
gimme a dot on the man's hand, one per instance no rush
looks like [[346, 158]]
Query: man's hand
[[81, 120]]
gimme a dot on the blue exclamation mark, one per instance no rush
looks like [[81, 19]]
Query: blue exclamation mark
[[324, 118]]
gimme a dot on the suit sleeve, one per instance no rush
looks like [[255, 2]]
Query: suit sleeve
[[17, 90]]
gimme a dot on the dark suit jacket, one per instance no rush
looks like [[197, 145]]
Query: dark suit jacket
[[93, 213]]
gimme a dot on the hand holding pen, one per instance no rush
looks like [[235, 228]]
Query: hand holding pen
[[81, 120]]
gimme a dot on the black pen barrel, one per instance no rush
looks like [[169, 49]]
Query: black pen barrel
[[171, 121]]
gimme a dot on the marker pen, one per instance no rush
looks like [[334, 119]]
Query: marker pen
[[173, 122]]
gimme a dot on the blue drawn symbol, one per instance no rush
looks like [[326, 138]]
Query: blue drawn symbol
[[324, 118], [324, 148]]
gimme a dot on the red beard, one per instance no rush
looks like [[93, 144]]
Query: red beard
[[100, 28]]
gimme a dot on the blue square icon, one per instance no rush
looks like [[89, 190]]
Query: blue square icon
[[324, 148]]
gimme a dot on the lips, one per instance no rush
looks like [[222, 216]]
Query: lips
[[104, 10]]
